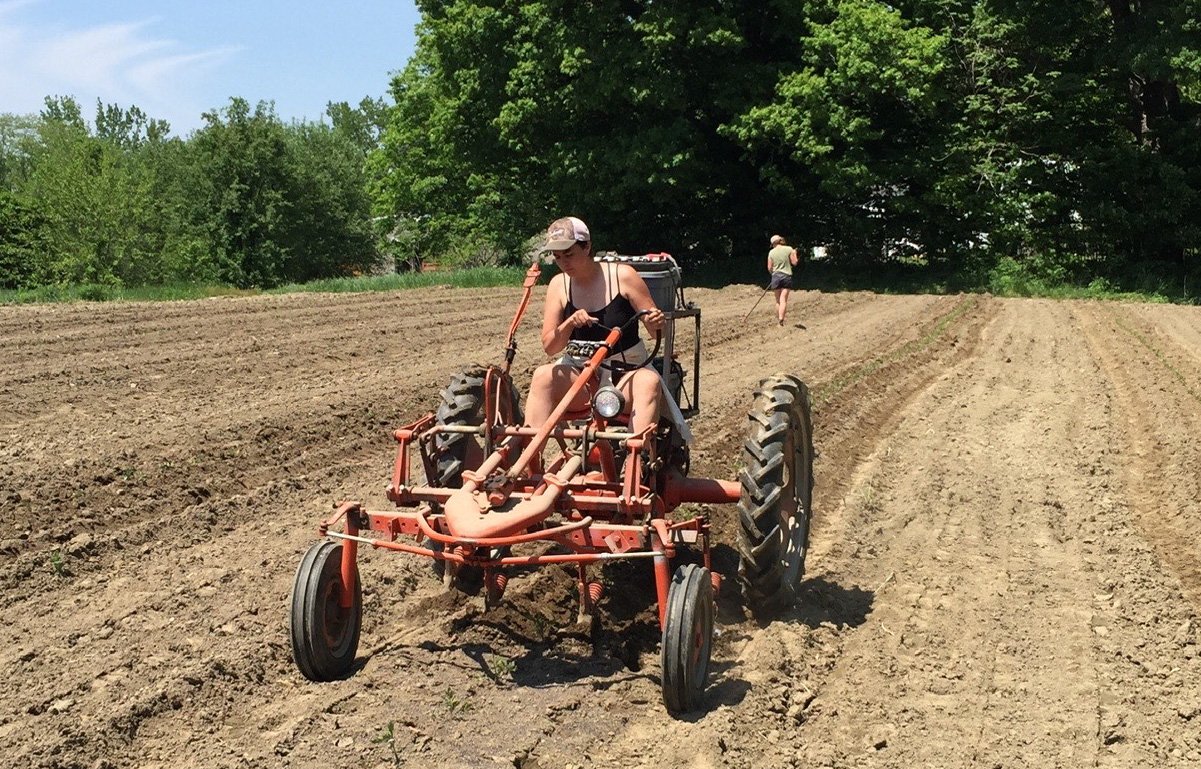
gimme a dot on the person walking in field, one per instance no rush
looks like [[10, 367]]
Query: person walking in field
[[780, 261]]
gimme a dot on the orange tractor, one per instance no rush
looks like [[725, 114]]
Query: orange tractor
[[581, 489]]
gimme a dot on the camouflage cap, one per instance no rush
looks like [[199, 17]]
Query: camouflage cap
[[562, 233]]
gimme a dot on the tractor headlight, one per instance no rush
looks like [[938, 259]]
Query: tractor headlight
[[608, 402]]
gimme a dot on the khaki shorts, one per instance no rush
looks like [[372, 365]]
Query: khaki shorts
[[633, 356]]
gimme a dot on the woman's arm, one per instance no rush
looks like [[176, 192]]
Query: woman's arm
[[556, 329], [792, 257], [554, 338], [633, 288]]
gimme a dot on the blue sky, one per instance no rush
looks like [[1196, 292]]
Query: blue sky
[[177, 60]]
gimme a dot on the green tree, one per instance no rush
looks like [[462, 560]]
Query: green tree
[[1063, 135], [99, 219], [511, 113], [78, 182], [243, 174], [328, 230], [22, 243], [860, 118], [362, 125], [1155, 55], [279, 203], [17, 134], [1077, 148]]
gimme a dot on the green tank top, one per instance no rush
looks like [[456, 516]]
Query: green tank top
[[778, 257]]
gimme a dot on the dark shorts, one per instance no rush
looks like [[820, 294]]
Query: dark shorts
[[780, 280]]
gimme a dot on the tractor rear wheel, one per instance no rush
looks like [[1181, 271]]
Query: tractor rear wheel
[[325, 635], [687, 638], [463, 404], [775, 507]]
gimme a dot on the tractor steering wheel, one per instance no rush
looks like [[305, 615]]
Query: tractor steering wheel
[[623, 367]]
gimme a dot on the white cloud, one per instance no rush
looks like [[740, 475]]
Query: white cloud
[[160, 75], [95, 59], [119, 62]]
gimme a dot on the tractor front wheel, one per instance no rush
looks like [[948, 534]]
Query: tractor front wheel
[[687, 638], [775, 507], [325, 634]]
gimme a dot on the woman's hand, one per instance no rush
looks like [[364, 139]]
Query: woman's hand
[[654, 320], [579, 319]]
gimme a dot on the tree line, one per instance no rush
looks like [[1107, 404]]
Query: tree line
[[245, 200], [1059, 139]]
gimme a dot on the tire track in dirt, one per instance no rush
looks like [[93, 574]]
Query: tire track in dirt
[[991, 642], [818, 354], [955, 528], [1149, 604]]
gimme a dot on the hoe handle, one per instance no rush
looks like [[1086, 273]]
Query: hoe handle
[[756, 304]]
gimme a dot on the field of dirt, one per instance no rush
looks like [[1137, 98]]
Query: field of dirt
[[1005, 568]]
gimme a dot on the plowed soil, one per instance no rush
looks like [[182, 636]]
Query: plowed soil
[[1005, 569]]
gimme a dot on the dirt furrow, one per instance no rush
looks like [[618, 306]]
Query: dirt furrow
[[1157, 384]]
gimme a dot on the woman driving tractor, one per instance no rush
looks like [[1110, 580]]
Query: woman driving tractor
[[582, 303]]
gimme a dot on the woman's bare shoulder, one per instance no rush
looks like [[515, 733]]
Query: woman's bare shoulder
[[557, 288], [627, 272]]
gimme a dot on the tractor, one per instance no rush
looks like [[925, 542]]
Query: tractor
[[496, 495]]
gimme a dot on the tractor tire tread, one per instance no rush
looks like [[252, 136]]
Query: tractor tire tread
[[779, 416]]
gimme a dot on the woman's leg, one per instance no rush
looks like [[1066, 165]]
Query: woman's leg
[[642, 391], [781, 304], [549, 384]]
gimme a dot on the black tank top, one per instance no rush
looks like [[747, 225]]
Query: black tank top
[[616, 313]]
